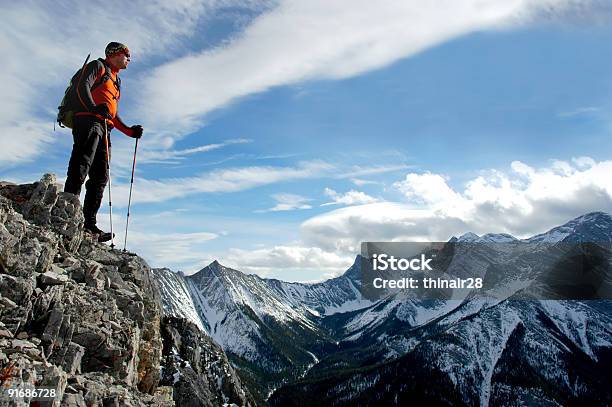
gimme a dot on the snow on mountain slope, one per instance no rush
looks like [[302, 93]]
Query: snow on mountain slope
[[574, 319], [279, 332], [176, 298], [327, 298], [592, 227], [218, 294], [508, 353], [269, 325]]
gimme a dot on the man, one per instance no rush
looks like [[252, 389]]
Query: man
[[98, 91]]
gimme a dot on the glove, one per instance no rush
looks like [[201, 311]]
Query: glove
[[137, 131], [102, 110]]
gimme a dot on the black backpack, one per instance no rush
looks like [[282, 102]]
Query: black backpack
[[70, 103]]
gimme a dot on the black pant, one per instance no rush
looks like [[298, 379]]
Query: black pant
[[88, 157]]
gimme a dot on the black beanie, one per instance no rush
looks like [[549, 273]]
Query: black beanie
[[114, 47]]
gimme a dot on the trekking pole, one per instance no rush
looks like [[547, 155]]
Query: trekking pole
[[110, 200], [127, 221]]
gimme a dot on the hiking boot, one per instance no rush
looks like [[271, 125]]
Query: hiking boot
[[102, 236], [93, 229]]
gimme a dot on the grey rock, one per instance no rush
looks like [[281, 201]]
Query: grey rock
[[111, 401], [53, 326], [116, 281], [55, 378], [114, 325], [97, 283], [52, 278], [34, 354], [5, 333], [45, 208], [198, 369], [16, 289], [21, 344], [164, 395], [42, 203], [7, 303], [47, 299], [70, 263], [86, 315], [73, 400], [89, 340], [69, 358], [22, 335], [66, 331], [57, 269]]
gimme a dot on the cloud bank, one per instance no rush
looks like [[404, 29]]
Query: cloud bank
[[317, 39], [352, 197], [289, 202], [46, 42], [294, 41], [522, 201]]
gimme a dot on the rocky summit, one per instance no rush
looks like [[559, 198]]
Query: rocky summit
[[86, 321]]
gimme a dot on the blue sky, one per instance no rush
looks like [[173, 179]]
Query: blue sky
[[280, 134]]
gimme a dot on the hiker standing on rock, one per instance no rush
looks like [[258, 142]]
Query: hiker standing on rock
[[98, 91]]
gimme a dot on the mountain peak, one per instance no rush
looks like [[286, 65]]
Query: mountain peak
[[597, 216], [498, 238], [468, 237], [214, 269], [354, 272], [590, 227]]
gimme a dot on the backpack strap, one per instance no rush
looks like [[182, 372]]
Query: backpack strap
[[106, 75]]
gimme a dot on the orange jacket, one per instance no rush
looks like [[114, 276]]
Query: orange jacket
[[108, 92]]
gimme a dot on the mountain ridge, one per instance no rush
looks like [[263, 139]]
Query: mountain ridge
[[554, 234], [346, 333]]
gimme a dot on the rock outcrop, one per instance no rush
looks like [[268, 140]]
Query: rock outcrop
[[197, 368], [76, 316]]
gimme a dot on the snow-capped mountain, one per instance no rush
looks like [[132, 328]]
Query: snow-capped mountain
[[511, 353], [269, 327], [592, 227], [300, 336]]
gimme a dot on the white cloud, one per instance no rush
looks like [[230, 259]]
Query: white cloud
[[173, 156], [360, 171], [352, 197], [583, 162], [318, 39], [361, 182], [522, 202], [295, 41], [288, 260], [46, 42], [226, 180], [342, 230], [22, 141], [163, 249], [427, 188], [289, 202]]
